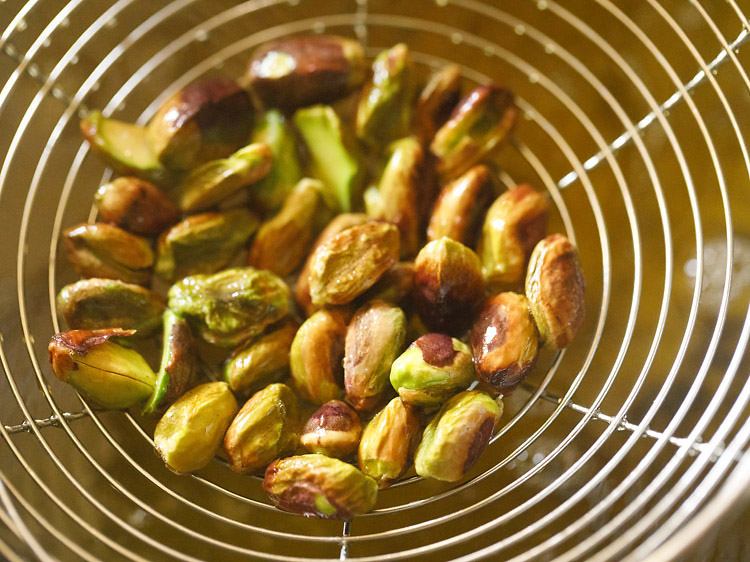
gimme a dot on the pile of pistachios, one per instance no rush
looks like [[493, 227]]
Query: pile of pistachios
[[340, 288]]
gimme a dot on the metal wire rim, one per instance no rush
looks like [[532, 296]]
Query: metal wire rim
[[611, 540]]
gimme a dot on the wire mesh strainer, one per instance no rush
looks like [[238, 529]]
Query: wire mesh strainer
[[631, 444]]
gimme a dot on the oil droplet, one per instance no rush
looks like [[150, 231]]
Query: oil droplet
[[46, 42], [319, 27], [542, 4], [65, 22], [201, 35], [489, 51], [533, 78], [34, 70], [293, 2], [549, 48], [95, 86], [457, 38], [22, 25], [74, 59], [112, 22], [441, 3], [520, 29]]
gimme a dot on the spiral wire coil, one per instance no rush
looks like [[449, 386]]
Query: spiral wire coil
[[631, 444]]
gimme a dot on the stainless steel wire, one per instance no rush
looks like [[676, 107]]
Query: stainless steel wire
[[605, 454]]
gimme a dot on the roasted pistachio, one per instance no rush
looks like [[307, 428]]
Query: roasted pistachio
[[384, 111], [205, 120], [231, 306], [398, 191], [374, 339], [504, 341], [432, 369], [107, 251], [177, 370], [333, 430], [283, 241], [460, 207], [394, 286], [333, 156], [347, 264], [265, 428], [477, 126], [448, 285], [388, 442], [125, 147], [306, 70], [92, 304], [318, 486], [190, 431], [515, 222], [457, 436], [273, 130], [316, 355], [338, 224], [262, 361], [136, 205], [556, 290], [216, 180], [203, 243], [436, 102], [113, 376]]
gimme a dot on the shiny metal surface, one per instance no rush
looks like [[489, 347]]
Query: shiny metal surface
[[632, 444]]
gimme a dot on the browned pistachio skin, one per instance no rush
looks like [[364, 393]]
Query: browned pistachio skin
[[448, 285], [135, 205], [504, 341], [333, 430], [306, 70], [555, 288]]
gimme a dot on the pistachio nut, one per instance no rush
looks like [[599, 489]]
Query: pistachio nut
[[448, 285], [177, 370], [315, 485], [436, 101], [333, 156], [262, 361], [273, 130], [347, 264], [107, 251], [231, 306], [203, 243], [398, 191], [306, 70], [477, 126], [265, 428], [457, 436], [215, 181], [282, 242], [384, 111], [113, 376], [515, 222], [432, 369], [205, 120], [394, 286], [191, 430], [388, 442], [333, 430], [135, 205], [338, 224], [504, 341], [556, 290], [460, 206], [374, 338], [92, 304], [316, 355], [125, 147]]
